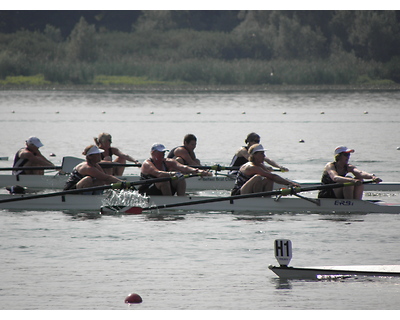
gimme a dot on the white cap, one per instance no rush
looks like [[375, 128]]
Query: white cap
[[35, 141], [257, 148], [94, 150], [158, 147], [341, 149]]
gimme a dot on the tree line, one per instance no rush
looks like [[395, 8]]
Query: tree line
[[202, 47]]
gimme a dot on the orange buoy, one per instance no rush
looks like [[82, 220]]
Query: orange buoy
[[133, 298]]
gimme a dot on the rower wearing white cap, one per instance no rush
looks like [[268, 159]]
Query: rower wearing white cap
[[89, 173], [157, 166], [337, 172], [30, 156], [254, 176]]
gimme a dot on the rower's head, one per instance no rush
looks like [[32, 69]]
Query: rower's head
[[158, 150], [33, 142], [93, 153], [103, 138], [342, 151], [252, 138], [190, 141], [257, 152]]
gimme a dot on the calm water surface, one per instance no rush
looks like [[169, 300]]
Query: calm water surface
[[200, 261]]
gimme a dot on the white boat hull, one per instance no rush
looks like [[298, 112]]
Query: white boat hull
[[193, 184], [336, 271], [257, 205], [58, 182]]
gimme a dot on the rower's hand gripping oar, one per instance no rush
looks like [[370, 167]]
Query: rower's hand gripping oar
[[281, 192], [114, 186]]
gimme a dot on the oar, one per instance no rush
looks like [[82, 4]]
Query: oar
[[114, 186], [31, 168], [280, 192], [218, 167], [114, 164], [70, 162]]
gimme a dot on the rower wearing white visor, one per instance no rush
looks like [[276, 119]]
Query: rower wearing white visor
[[337, 172], [254, 176], [89, 173]]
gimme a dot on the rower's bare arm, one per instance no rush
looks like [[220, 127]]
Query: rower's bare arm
[[150, 169], [187, 169], [125, 156], [359, 174], [275, 164], [95, 173]]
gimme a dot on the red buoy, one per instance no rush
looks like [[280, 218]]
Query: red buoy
[[133, 298]]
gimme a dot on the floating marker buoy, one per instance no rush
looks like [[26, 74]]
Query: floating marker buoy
[[301, 141], [133, 298]]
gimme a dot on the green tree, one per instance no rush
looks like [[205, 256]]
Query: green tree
[[81, 44], [375, 35], [160, 20]]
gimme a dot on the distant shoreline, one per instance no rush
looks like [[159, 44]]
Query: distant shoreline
[[203, 88]]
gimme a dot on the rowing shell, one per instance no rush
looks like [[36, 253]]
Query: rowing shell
[[194, 184], [325, 272], [283, 254], [257, 205]]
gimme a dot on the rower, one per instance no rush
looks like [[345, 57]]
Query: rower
[[103, 141], [254, 176], [157, 166], [89, 173], [337, 172], [30, 156], [185, 154], [242, 155]]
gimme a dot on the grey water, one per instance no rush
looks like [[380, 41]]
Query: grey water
[[200, 260]]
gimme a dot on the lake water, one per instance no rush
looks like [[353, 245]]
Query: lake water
[[200, 261]]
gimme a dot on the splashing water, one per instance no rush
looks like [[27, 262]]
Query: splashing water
[[126, 198]]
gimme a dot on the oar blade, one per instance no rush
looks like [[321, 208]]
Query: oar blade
[[107, 210]]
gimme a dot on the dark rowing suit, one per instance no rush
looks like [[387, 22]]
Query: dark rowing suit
[[241, 179], [171, 154], [326, 179], [150, 189], [238, 161], [19, 163], [107, 153], [73, 179]]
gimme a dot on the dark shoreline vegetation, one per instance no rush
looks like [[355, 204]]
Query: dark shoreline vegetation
[[266, 50], [203, 88]]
